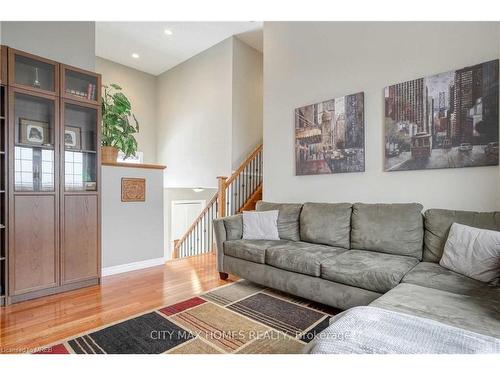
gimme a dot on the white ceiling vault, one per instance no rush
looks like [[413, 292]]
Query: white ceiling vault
[[158, 52]]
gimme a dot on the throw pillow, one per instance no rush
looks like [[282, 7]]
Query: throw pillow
[[472, 252], [260, 225]]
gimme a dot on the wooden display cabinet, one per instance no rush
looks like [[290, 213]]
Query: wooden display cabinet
[[53, 149], [3, 175]]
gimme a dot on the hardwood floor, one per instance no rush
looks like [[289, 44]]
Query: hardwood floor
[[39, 322]]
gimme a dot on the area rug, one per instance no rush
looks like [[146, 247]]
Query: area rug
[[241, 317]]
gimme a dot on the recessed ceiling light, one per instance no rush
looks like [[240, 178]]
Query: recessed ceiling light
[[168, 32], [198, 190], [135, 55]]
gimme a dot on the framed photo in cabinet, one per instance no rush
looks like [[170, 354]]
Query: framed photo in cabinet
[[73, 137], [34, 132]]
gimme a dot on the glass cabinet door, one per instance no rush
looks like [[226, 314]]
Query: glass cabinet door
[[80, 147], [34, 124], [80, 85], [33, 73]]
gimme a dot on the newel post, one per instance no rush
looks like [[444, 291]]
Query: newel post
[[221, 207], [175, 255]]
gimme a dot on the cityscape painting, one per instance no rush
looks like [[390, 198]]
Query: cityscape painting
[[330, 136], [448, 120]]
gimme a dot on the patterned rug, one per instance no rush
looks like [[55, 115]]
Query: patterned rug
[[241, 317]]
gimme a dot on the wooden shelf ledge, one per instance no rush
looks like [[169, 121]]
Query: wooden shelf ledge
[[132, 165]]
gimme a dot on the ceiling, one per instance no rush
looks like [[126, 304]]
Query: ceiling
[[158, 52]]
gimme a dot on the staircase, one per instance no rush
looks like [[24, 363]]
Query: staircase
[[240, 192], [252, 201]]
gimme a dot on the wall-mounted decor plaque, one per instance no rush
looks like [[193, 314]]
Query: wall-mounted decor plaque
[[133, 189]]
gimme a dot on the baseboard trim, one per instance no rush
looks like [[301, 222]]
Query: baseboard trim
[[113, 270]]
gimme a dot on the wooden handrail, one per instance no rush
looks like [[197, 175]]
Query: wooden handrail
[[243, 165]]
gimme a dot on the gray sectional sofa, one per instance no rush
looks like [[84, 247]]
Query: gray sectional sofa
[[346, 255]]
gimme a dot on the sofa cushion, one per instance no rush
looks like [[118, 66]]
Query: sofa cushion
[[252, 250], [432, 275], [367, 269], [234, 227], [301, 257], [479, 314], [438, 223], [288, 218], [388, 228], [326, 223], [260, 225], [472, 252]]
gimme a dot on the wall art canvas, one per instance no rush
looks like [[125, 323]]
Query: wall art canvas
[[330, 136], [448, 120]]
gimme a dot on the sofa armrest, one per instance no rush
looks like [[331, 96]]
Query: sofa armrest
[[220, 237], [226, 228]]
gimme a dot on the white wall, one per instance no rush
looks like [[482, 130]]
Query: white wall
[[140, 88], [309, 62], [194, 118], [131, 231], [209, 114], [247, 101], [72, 43]]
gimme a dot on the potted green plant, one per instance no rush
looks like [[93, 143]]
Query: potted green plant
[[117, 129]]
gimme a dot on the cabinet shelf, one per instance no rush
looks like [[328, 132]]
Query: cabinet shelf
[[28, 145], [83, 151], [80, 85]]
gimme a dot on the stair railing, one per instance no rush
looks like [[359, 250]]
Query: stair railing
[[232, 195], [199, 237], [236, 190]]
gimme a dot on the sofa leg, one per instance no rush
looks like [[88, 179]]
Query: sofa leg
[[223, 275]]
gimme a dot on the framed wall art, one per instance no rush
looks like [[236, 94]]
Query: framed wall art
[[330, 136], [448, 120]]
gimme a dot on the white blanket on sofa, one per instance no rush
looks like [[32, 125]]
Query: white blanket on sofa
[[365, 330]]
